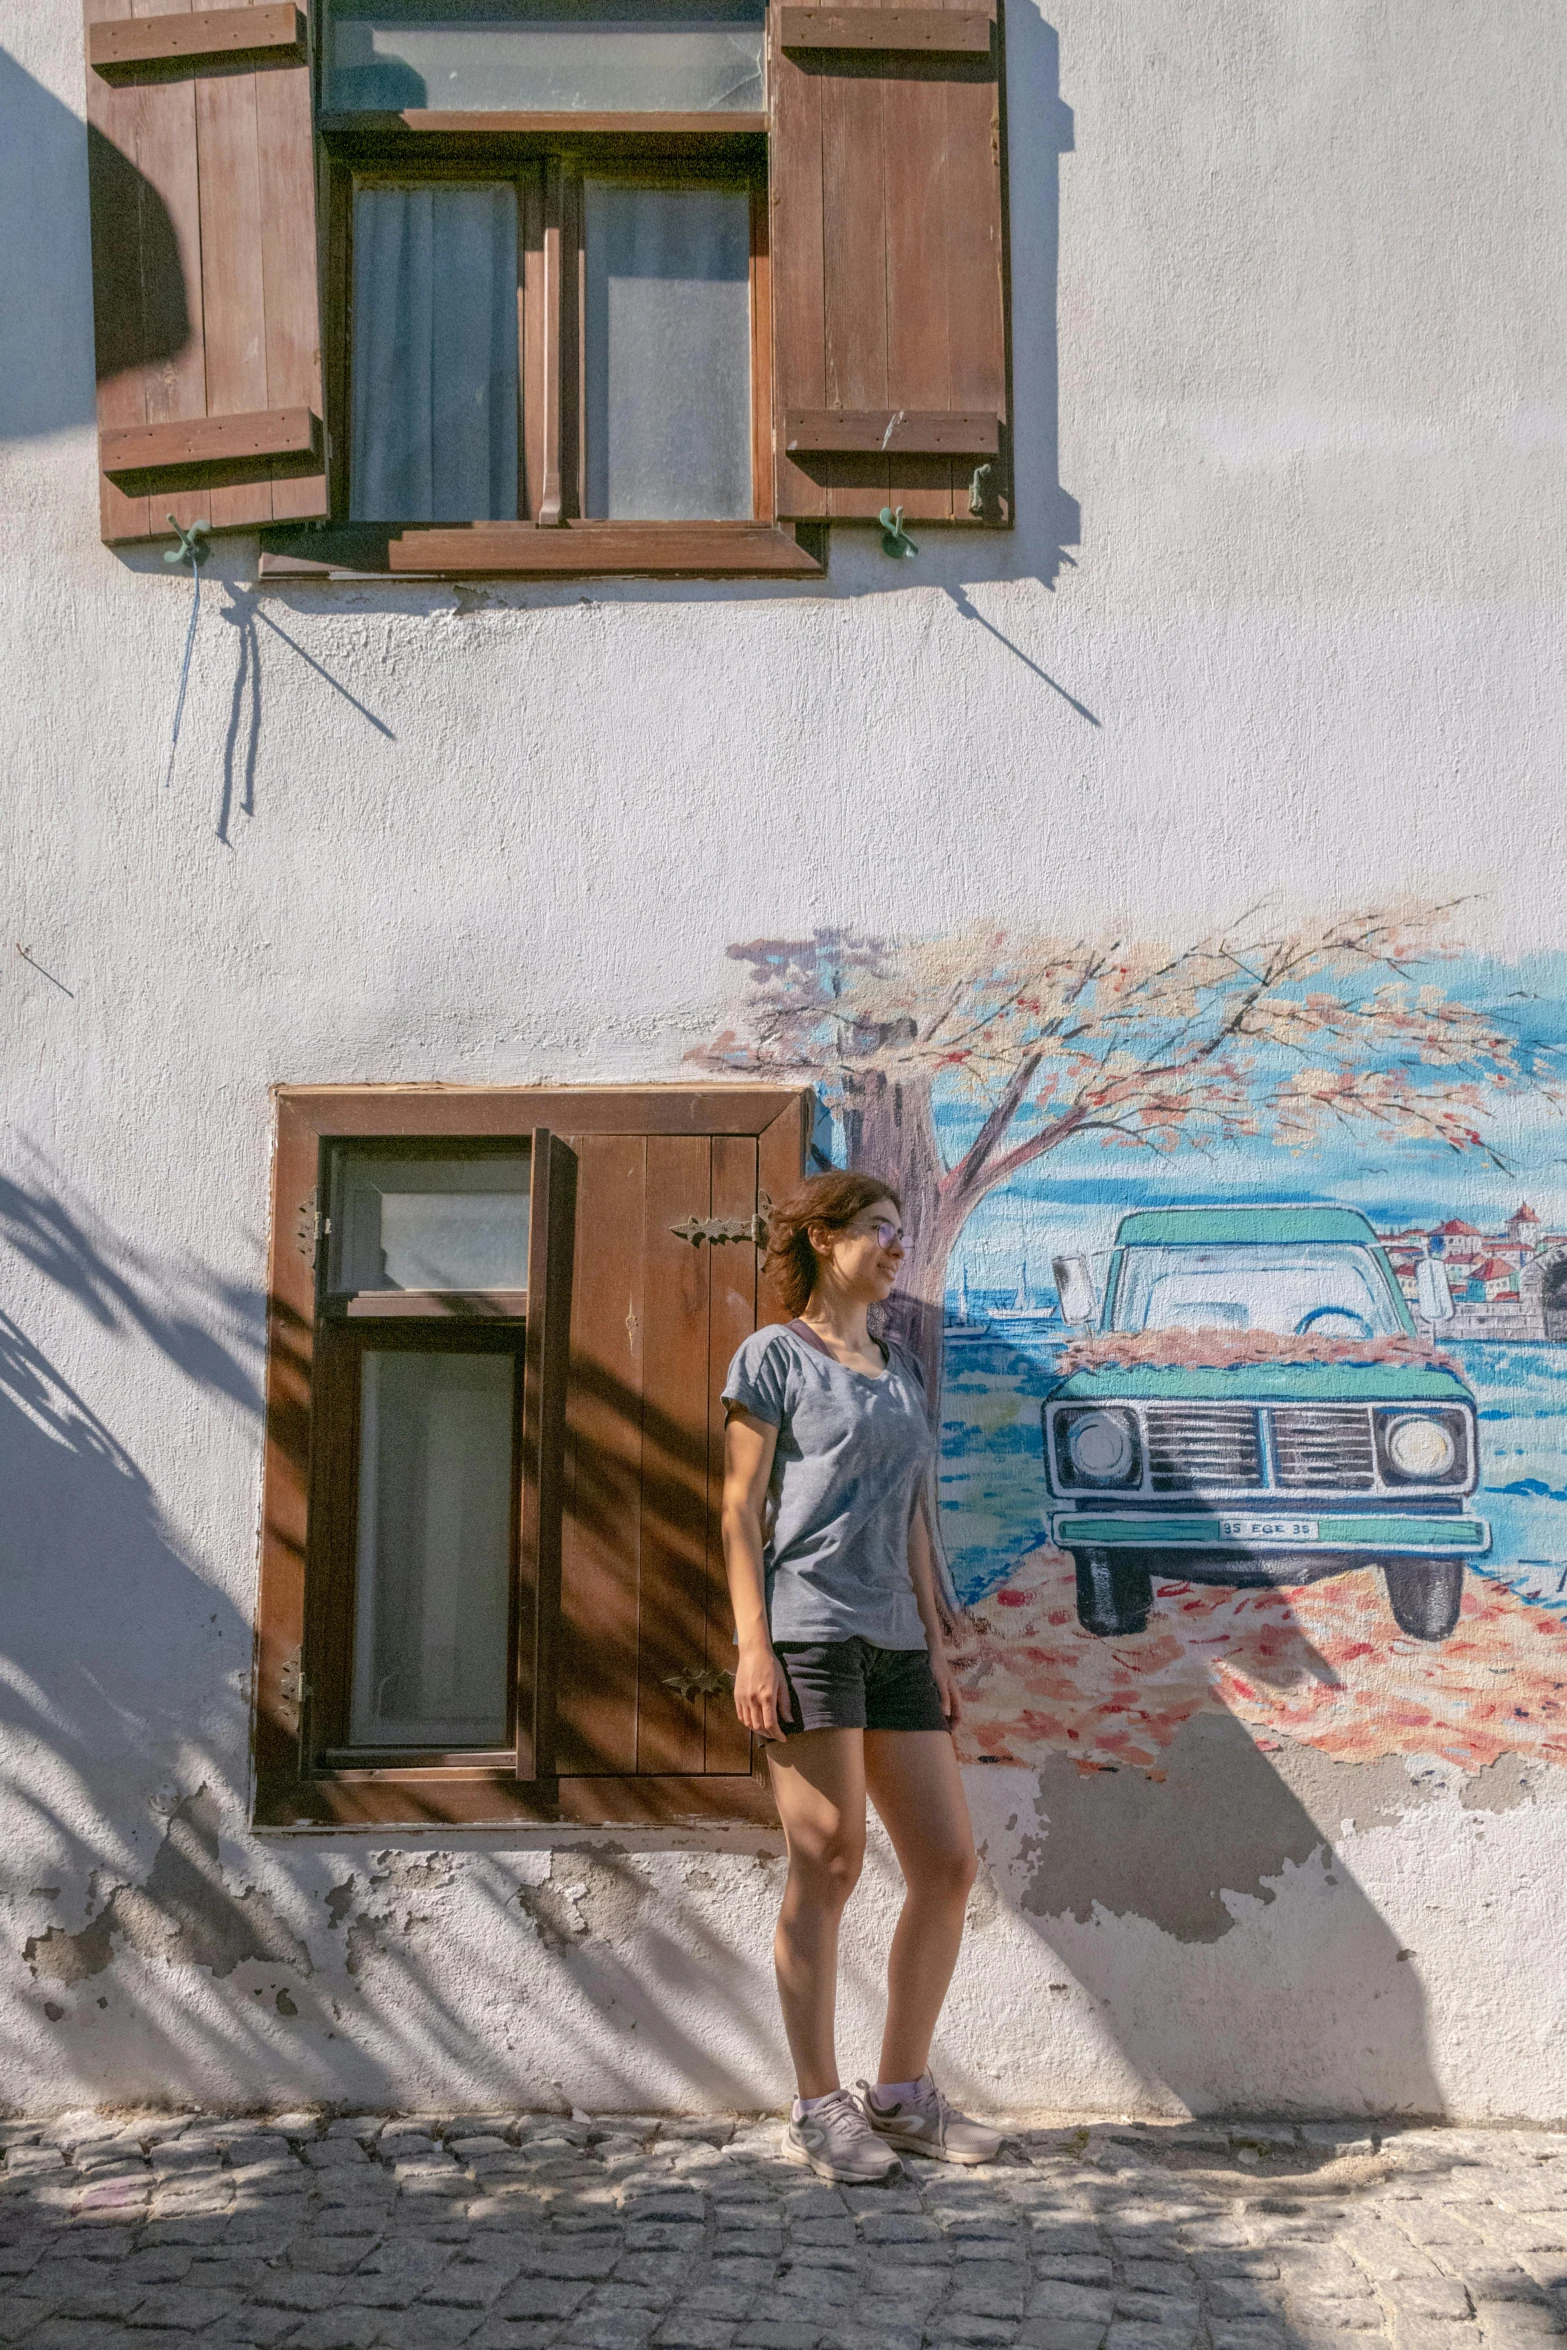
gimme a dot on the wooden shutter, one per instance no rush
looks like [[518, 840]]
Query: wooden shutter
[[205, 294], [889, 297], [661, 1297]]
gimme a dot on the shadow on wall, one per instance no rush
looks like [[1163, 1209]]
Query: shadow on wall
[[1166, 1878], [151, 1950], [46, 322], [144, 1959]]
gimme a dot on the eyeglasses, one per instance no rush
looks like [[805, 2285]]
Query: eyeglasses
[[886, 1233]]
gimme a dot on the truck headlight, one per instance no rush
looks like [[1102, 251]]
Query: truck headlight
[[1098, 1446], [1423, 1448]]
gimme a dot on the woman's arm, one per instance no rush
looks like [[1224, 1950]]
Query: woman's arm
[[922, 1571], [760, 1688]]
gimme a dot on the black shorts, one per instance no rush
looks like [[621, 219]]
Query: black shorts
[[854, 1685]]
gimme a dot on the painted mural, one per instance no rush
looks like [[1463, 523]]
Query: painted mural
[[1240, 1270]]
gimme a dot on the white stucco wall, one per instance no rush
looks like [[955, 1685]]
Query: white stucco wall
[[1281, 619]]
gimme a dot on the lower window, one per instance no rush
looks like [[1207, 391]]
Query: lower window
[[492, 1581]]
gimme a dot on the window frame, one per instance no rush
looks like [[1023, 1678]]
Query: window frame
[[547, 177], [303, 1614], [551, 537]]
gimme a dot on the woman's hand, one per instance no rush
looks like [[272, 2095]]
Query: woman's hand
[[951, 1702], [761, 1692]]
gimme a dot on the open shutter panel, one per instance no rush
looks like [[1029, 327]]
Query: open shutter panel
[[205, 294], [665, 1287], [889, 295]]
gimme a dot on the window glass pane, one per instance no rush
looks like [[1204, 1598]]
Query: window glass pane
[[605, 56], [433, 1603], [455, 1224], [667, 336], [434, 435]]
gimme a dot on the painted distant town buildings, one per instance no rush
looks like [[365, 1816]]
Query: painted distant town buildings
[[1511, 1284]]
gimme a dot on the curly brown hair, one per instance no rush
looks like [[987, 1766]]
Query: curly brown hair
[[834, 1200]]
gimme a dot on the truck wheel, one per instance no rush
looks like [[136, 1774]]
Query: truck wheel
[[1114, 1592], [1425, 1595]]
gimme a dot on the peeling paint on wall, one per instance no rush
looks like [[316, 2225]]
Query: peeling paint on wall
[[186, 1913], [1220, 1817]]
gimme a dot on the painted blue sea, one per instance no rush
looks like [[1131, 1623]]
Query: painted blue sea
[[992, 1479]]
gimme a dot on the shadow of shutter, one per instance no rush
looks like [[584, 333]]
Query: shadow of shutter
[[889, 295], [205, 286]]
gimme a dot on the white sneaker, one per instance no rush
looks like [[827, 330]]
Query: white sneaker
[[834, 2141], [926, 2124]]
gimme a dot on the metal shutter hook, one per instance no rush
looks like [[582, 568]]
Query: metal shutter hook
[[194, 550]]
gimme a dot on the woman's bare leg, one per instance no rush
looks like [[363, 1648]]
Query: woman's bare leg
[[917, 1789], [819, 1783]]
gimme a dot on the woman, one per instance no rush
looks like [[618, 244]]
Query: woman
[[827, 1452]]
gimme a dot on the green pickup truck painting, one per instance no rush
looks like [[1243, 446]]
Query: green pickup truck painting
[[1256, 1408]]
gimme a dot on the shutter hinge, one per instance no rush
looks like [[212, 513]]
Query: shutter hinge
[[715, 1229], [700, 1681], [293, 1687], [310, 1228]]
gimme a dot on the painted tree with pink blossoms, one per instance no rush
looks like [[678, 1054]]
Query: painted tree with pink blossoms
[[1263, 1030]]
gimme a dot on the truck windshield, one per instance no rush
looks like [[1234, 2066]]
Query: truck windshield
[[1332, 1289]]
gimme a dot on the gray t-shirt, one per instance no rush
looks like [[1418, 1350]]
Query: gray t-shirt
[[852, 1452]]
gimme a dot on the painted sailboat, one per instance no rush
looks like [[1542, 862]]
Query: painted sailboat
[[965, 1323], [1027, 1311]]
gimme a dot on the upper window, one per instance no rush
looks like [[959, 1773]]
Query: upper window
[[600, 285], [450, 295], [546, 56]]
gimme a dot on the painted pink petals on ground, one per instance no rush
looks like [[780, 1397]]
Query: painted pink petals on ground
[[1323, 1664]]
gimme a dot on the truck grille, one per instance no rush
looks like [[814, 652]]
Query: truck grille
[[1324, 1445], [1193, 1447]]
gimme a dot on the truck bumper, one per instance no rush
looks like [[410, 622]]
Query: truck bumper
[[1242, 1534]]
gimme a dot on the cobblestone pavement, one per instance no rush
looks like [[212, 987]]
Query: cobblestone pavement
[[528, 2233]]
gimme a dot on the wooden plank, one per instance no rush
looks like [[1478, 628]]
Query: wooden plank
[[930, 30], [337, 194], [167, 154], [799, 355], [454, 1797], [917, 432], [401, 1305], [147, 294], [280, 1617], [291, 276], [462, 1797], [189, 39], [232, 284], [533, 373], [701, 550], [672, 1629], [202, 440], [780, 1164], [731, 1319], [663, 1800], [551, 1222], [120, 323], [975, 251], [919, 373], [854, 288], [762, 507], [551, 258], [601, 1535], [488, 1112], [567, 124]]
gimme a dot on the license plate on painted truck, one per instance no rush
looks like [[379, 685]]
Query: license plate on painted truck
[[1267, 1529]]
